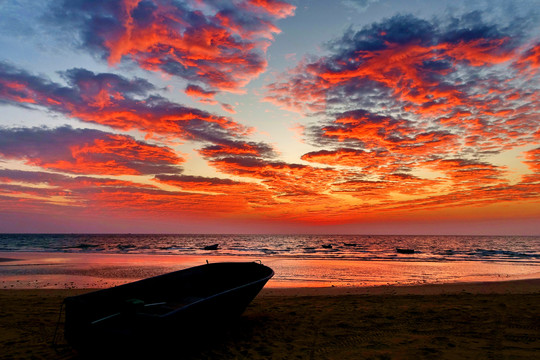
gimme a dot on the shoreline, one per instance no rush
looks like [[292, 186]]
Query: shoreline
[[526, 286], [87, 270]]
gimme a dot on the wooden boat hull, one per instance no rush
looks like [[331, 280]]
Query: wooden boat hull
[[181, 301]]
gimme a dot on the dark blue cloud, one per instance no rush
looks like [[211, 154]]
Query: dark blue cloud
[[85, 80]]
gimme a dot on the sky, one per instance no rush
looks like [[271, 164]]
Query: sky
[[270, 116]]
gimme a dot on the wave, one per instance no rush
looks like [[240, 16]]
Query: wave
[[367, 248]]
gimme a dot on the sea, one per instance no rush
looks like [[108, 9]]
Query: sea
[[352, 247], [102, 260]]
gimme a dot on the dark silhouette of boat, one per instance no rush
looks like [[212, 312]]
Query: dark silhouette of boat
[[326, 246], [177, 302], [211, 247], [404, 251]]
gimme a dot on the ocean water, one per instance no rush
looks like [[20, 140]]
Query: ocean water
[[509, 249], [98, 261]]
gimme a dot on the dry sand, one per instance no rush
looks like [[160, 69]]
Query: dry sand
[[454, 321]]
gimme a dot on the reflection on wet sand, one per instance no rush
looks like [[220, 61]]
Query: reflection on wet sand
[[74, 270]]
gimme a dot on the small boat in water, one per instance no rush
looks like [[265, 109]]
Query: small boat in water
[[211, 247], [178, 302], [404, 251]]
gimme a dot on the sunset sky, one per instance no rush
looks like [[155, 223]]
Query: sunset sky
[[266, 116]]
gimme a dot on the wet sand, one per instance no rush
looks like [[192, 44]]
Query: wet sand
[[495, 320], [27, 270]]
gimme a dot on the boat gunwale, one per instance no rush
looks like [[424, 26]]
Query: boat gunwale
[[216, 295]]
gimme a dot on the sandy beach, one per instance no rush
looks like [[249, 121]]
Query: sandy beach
[[494, 320]]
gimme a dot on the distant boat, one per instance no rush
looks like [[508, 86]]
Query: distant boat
[[327, 246], [211, 247], [404, 251], [178, 301]]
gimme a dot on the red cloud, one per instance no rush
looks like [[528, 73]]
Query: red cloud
[[370, 162], [427, 98], [530, 59], [197, 91], [279, 9], [462, 79], [385, 133], [383, 189], [228, 108], [246, 195], [221, 44], [237, 148], [84, 151], [466, 173], [408, 118], [347, 157], [399, 67], [106, 156], [111, 100], [17, 92], [198, 196], [282, 178], [532, 160]]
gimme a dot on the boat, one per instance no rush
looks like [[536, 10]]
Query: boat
[[176, 302], [404, 251], [211, 247]]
